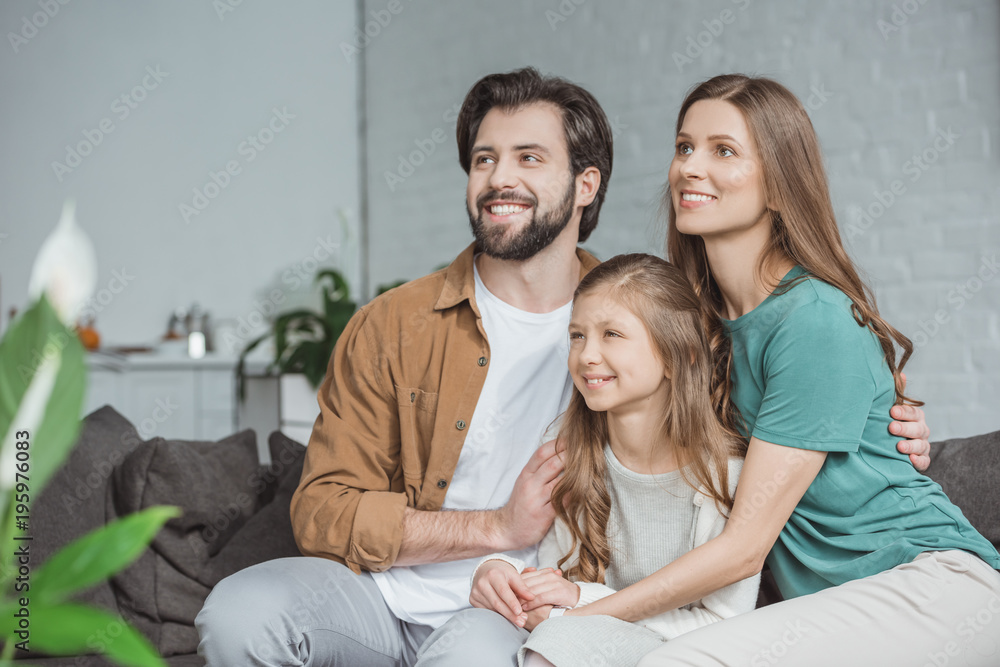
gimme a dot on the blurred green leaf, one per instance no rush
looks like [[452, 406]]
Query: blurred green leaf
[[58, 432], [98, 554], [33, 336], [73, 629]]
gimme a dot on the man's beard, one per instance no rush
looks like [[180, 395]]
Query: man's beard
[[529, 241]]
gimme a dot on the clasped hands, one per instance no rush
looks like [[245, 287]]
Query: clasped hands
[[525, 599]]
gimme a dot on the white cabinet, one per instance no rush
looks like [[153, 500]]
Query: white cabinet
[[299, 407], [167, 396], [286, 403]]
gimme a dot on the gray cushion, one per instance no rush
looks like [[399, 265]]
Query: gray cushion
[[267, 535], [162, 592], [75, 500], [967, 469]]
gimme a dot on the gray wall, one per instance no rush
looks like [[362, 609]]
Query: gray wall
[[882, 85], [222, 75], [878, 96]]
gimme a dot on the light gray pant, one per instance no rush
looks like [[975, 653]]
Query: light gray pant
[[313, 611], [942, 609]]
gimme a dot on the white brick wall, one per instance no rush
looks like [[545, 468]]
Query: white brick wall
[[886, 98]]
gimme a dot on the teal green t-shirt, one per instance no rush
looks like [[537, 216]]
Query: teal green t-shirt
[[805, 375]]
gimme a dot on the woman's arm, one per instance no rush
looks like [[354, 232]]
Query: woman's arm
[[774, 479], [734, 599]]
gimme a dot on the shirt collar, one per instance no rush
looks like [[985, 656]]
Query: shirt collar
[[460, 281]]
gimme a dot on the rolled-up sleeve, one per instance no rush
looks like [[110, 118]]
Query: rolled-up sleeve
[[350, 501]]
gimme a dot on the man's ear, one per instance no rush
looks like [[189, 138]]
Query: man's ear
[[587, 183]]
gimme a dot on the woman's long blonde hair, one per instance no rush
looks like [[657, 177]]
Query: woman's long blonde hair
[[803, 227], [701, 428]]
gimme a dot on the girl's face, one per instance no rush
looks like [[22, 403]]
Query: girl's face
[[611, 357], [716, 185]]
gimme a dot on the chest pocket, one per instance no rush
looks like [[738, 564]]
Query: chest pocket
[[417, 411]]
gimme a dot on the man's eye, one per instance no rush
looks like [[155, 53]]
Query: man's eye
[[484, 159], [576, 336], [532, 158]]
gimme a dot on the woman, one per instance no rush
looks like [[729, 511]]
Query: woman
[[876, 565]]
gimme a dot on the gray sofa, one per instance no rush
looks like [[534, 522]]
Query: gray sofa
[[236, 514]]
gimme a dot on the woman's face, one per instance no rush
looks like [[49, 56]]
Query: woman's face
[[716, 185]]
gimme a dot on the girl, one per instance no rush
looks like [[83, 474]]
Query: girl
[[876, 565], [650, 470]]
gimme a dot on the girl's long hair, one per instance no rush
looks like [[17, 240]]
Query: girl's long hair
[[803, 226], [697, 422]]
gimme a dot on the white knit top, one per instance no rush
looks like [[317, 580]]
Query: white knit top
[[705, 523]]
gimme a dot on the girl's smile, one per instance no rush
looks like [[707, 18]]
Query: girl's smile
[[612, 359]]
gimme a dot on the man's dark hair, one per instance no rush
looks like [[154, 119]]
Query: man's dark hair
[[588, 133]]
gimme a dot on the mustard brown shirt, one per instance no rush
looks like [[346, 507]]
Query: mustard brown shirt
[[400, 389]]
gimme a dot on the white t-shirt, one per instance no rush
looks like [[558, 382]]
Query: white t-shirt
[[527, 386]]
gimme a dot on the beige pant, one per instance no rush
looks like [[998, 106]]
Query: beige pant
[[941, 609]]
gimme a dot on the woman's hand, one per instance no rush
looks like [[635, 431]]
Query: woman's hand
[[549, 588], [498, 587]]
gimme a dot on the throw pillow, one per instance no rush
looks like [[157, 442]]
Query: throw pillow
[[161, 593]]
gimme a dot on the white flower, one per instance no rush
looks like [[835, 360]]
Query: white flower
[[65, 269]]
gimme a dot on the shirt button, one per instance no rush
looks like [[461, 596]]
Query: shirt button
[[442, 483], [460, 425], [413, 397], [482, 361], [698, 500]]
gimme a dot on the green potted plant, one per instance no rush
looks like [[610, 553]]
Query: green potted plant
[[42, 379], [304, 339]]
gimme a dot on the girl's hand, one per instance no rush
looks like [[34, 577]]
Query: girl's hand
[[499, 587], [549, 588], [536, 616]]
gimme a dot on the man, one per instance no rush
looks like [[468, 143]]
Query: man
[[437, 398]]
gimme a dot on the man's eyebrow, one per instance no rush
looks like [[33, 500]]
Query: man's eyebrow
[[533, 147], [521, 147]]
